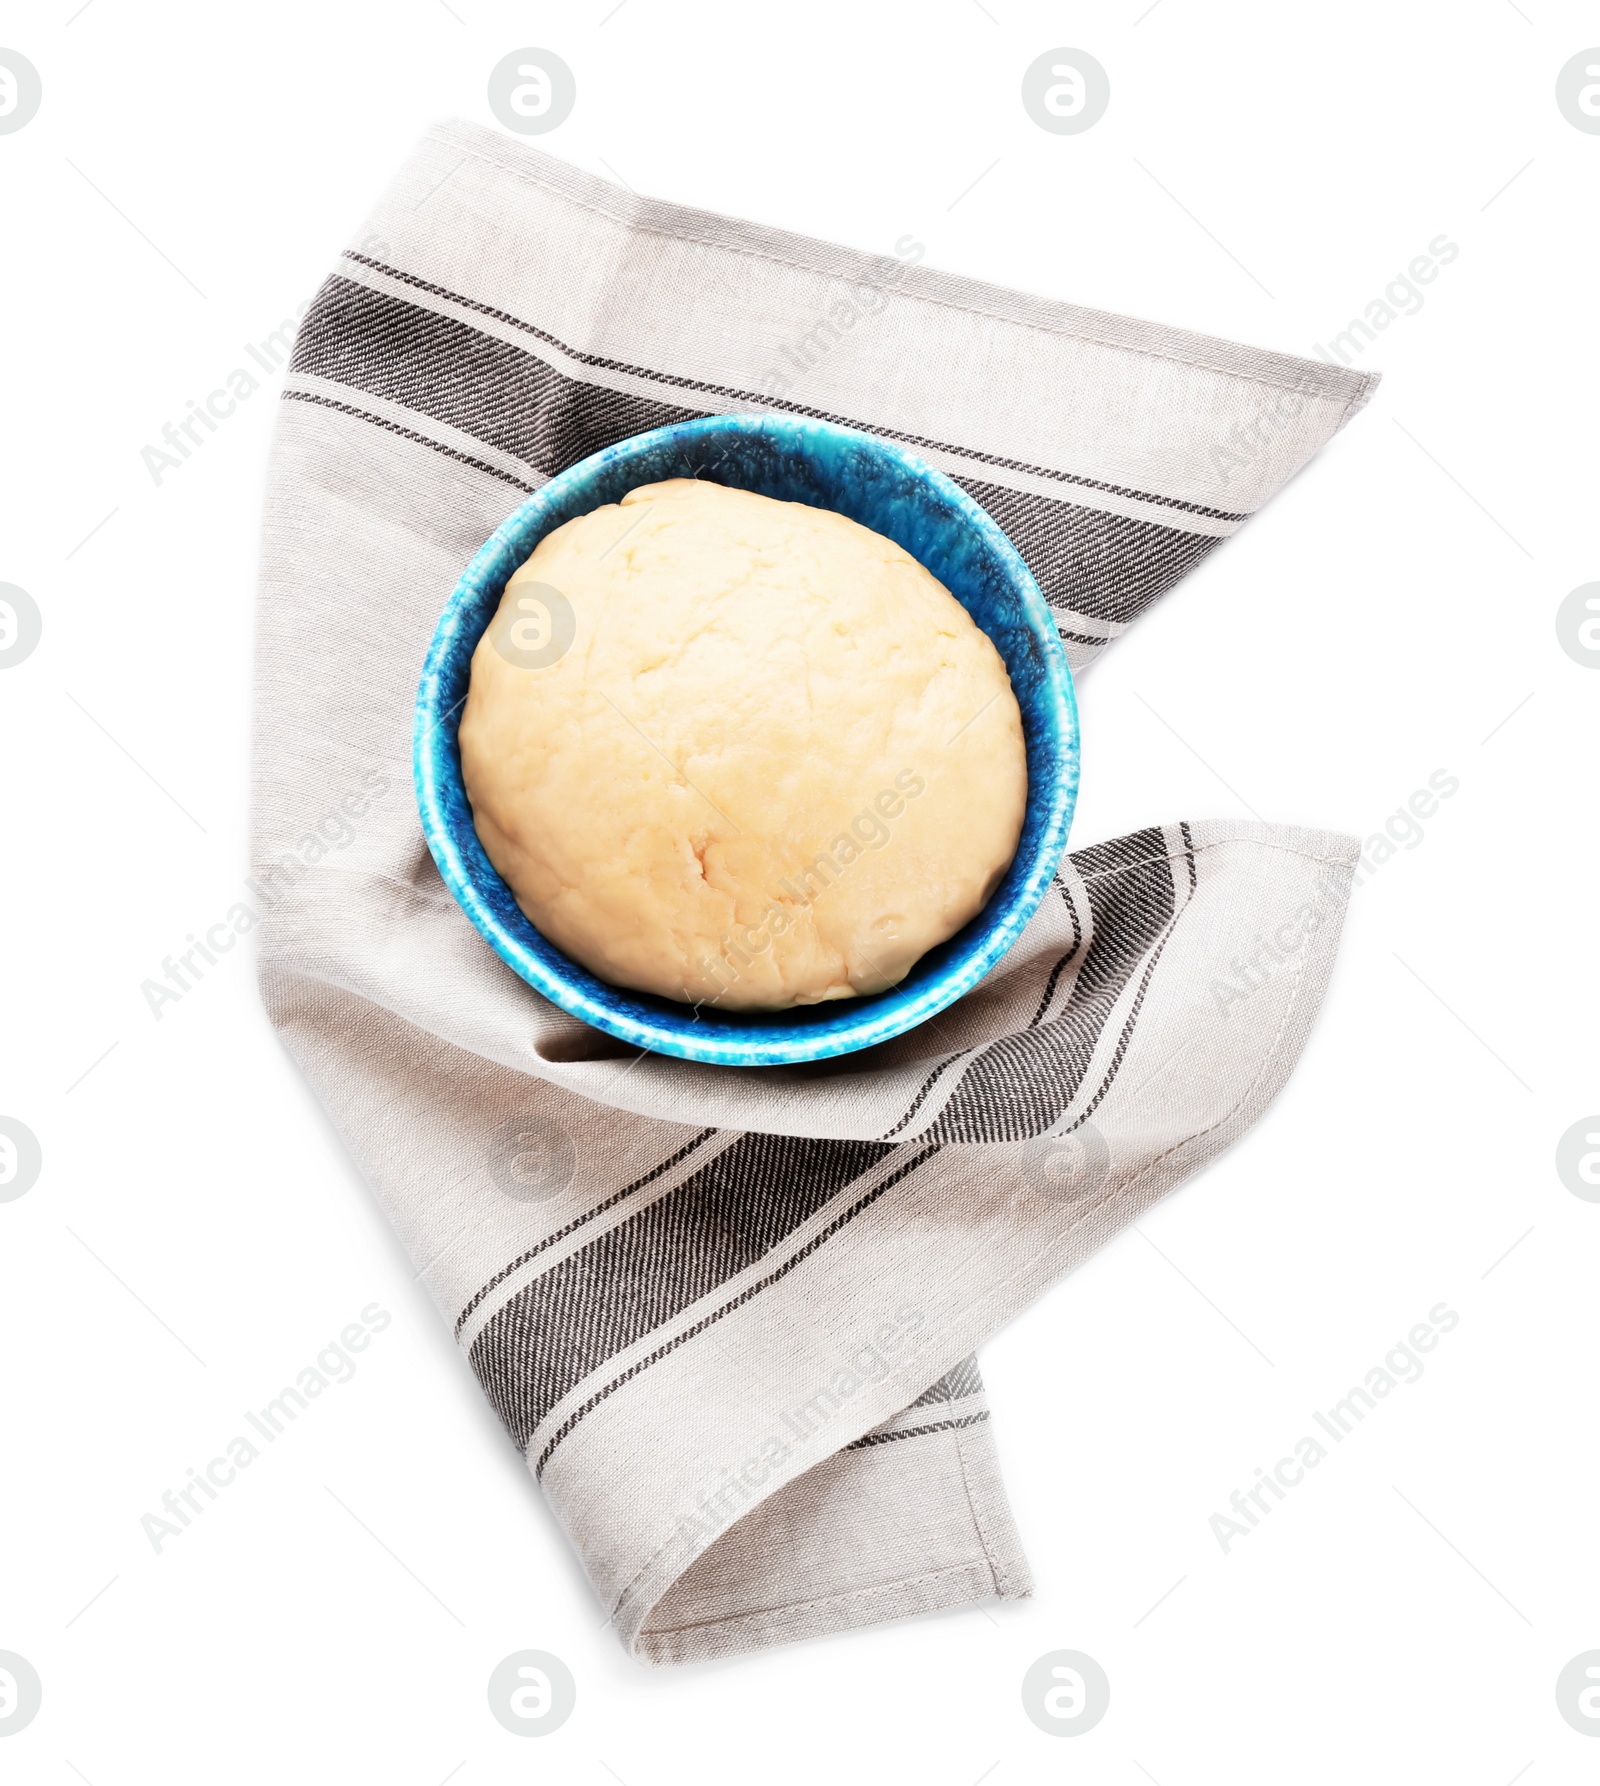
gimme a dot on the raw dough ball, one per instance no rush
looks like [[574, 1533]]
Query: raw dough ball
[[740, 752]]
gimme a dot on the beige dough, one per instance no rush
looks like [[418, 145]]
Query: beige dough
[[777, 763]]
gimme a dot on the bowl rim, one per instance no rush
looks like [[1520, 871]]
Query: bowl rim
[[876, 1019]]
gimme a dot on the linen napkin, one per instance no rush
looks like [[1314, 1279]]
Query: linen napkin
[[729, 1315]]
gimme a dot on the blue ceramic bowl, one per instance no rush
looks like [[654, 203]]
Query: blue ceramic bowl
[[885, 488]]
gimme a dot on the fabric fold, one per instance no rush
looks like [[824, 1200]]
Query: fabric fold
[[729, 1315]]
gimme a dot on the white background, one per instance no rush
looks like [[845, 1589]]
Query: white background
[[1262, 172]]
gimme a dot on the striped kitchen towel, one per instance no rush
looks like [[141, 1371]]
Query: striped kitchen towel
[[728, 1316]]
